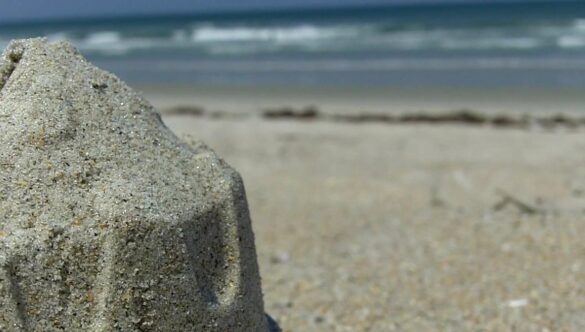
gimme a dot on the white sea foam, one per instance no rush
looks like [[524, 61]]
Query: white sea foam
[[491, 43], [103, 38], [377, 66], [213, 38], [275, 34], [59, 35], [112, 43], [571, 41]]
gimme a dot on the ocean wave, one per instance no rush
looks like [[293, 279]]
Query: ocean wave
[[345, 65], [579, 24], [300, 33], [209, 38], [442, 39], [103, 38], [112, 42], [571, 42], [244, 39]]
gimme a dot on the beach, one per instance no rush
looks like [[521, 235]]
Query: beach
[[406, 226], [409, 166], [248, 99]]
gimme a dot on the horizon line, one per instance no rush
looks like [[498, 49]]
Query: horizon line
[[235, 13]]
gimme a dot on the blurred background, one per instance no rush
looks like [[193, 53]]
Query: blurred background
[[320, 42], [409, 165]]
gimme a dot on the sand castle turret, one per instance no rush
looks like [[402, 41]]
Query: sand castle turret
[[107, 221]]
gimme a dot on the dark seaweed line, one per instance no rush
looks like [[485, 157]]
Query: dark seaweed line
[[463, 117]]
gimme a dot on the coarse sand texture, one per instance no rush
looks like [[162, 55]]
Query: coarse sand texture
[[107, 221]]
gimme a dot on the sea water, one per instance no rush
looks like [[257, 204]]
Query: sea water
[[482, 45]]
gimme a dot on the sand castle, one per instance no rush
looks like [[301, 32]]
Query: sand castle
[[108, 221]]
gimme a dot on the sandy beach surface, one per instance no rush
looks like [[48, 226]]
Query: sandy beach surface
[[407, 227], [351, 100]]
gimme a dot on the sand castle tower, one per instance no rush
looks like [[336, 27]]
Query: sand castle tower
[[107, 221]]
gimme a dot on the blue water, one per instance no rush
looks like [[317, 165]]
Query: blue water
[[486, 45]]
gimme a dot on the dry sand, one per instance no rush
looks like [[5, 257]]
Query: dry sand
[[107, 221], [351, 100], [373, 227]]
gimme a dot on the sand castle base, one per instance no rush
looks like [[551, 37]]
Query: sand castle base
[[107, 221]]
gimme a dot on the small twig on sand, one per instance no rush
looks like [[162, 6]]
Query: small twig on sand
[[508, 199]]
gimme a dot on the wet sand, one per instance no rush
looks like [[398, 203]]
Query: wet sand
[[410, 227]]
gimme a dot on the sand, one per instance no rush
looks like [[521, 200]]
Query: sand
[[377, 227], [108, 222], [402, 227], [369, 99]]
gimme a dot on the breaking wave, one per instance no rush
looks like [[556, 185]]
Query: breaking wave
[[214, 39]]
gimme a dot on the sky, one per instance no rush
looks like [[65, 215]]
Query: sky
[[27, 10]]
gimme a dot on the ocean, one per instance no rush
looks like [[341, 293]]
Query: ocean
[[481, 45]]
